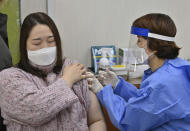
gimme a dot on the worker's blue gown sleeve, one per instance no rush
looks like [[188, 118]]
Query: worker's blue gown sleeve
[[161, 103]]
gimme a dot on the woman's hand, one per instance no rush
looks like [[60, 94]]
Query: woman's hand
[[93, 83], [73, 73]]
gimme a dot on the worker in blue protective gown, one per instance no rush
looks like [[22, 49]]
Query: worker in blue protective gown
[[163, 101]]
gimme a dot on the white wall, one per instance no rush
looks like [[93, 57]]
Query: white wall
[[30, 6], [83, 23]]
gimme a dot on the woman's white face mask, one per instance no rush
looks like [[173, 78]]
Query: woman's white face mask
[[41, 46], [43, 57]]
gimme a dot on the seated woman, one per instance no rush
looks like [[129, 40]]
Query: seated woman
[[44, 92]]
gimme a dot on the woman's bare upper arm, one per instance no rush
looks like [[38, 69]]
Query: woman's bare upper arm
[[95, 112]]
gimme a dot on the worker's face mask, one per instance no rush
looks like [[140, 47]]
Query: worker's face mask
[[146, 61], [43, 57], [142, 43]]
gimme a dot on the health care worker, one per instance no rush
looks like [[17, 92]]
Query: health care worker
[[163, 101]]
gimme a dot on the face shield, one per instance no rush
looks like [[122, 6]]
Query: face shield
[[137, 54]]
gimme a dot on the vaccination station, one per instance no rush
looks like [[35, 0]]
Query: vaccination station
[[94, 65]]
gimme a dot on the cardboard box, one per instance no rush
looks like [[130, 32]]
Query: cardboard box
[[96, 55]]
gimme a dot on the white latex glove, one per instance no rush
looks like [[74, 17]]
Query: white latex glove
[[93, 83], [108, 77]]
